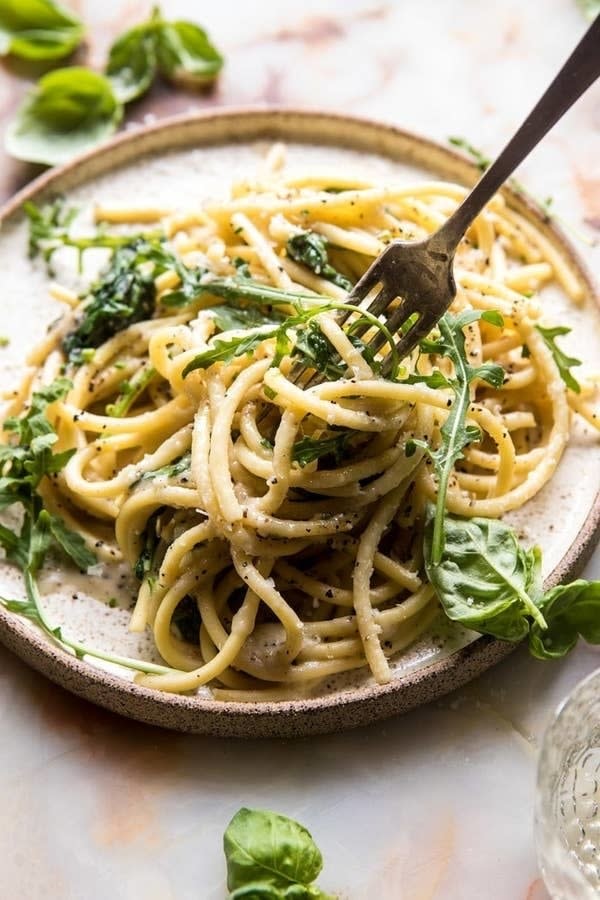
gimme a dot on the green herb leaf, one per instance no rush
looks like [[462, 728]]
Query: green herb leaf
[[132, 63], [316, 351], [488, 582], [571, 611], [262, 891], [23, 465], [123, 296], [269, 850], [229, 318], [171, 470], [38, 29], [590, 8], [483, 161], [563, 362], [71, 543], [485, 580], [187, 619], [226, 351], [49, 229], [144, 567], [186, 55], [310, 249], [131, 391], [455, 434], [68, 111], [308, 449]]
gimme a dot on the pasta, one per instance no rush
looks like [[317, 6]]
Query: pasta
[[274, 518]]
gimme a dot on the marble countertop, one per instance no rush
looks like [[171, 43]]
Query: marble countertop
[[438, 803]]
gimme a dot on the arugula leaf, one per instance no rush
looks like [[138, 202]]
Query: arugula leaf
[[68, 111], [484, 579], [563, 362], [38, 29], [144, 566], [71, 543], [123, 296], [271, 856], [49, 229], [132, 63], [226, 351], [308, 449], [590, 8], [231, 318], [48, 223], [455, 434], [23, 463], [571, 611], [130, 391], [483, 161], [310, 249], [186, 55], [316, 351], [177, 467]]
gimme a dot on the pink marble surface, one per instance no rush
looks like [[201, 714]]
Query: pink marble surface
[[437, 804]]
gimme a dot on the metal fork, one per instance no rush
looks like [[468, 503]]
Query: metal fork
[[419, 274]]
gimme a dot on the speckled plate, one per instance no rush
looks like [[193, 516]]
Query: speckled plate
[[190, 158]]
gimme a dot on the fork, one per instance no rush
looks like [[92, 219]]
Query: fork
[[420, 273]]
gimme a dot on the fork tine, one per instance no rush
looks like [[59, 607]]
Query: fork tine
[[406, 308], [363, 287], [409, 341]]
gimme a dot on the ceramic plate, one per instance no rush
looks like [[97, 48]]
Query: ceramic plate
[[174, 163]]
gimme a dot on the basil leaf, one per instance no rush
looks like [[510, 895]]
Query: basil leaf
[[261, 891], [68, 111], [186, 55], [563, 362], [590, 8], [38, 29], [131, 63], [570, 611], [265, 847], [485, 580], [256, 891]]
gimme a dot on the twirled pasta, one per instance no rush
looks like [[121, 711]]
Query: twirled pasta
[[287, 572]]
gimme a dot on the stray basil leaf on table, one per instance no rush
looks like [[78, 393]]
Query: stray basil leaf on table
[[38, 30], [271, 856], [131, 63], [181, 50], [186, 55], [68, 111], [590, 8]]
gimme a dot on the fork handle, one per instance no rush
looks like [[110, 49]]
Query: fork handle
[[578, 73]]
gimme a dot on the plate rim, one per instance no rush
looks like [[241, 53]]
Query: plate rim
[[330, 712]]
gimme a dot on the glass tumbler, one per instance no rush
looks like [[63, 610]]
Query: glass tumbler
[[567, 805]]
